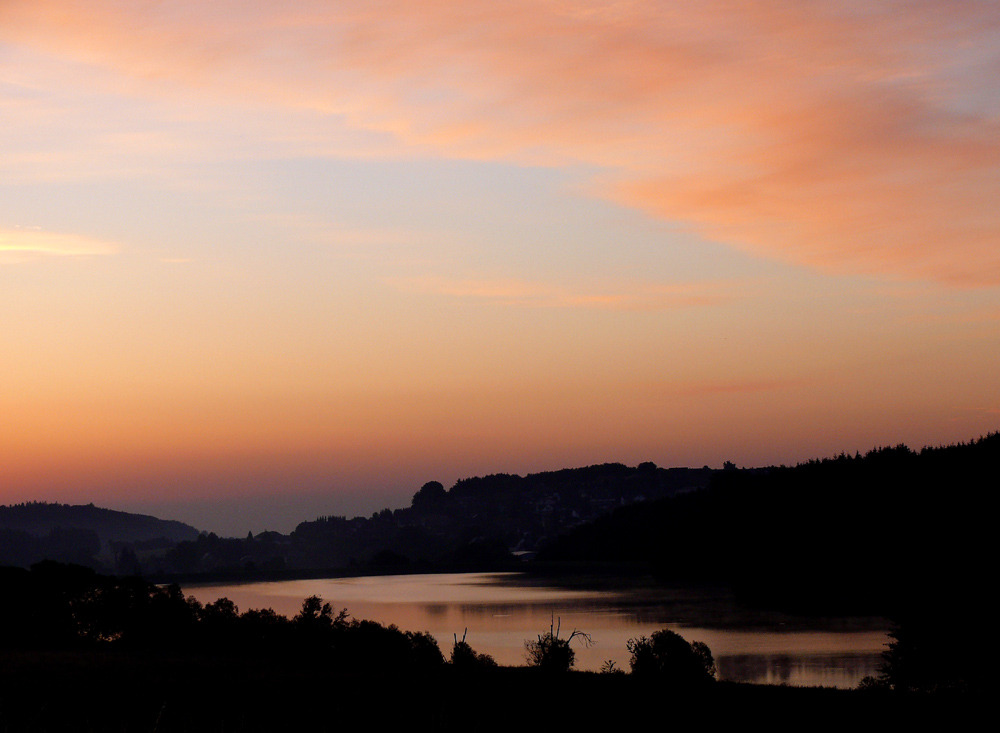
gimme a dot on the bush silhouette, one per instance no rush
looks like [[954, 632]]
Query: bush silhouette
[[551, 653], [464, 657], [668, 655]]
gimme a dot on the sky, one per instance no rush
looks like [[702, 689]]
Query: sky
[[261, 262]]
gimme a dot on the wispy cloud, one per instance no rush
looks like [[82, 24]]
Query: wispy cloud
[[534, 294], [853, 137], [21, 243]]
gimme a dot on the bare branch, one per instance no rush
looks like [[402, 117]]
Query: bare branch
[[588, 640]]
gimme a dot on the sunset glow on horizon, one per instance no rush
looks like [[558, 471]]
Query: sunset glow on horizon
[[265, 261]]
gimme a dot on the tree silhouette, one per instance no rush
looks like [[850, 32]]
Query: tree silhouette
[[551, 653], [668, 655], [430, 496]]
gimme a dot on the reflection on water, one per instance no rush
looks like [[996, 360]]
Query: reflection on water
[[502, 610], [829, 670]]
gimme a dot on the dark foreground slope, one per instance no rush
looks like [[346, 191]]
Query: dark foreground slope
[[115, 692]]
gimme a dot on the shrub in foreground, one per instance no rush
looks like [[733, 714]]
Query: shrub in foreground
[[666, 654]]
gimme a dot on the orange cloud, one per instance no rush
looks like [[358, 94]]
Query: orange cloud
[[850, 137]]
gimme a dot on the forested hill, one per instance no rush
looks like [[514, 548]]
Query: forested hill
[[481, 520], [475, 524], [40, 518], [83, 534], [851, 533]]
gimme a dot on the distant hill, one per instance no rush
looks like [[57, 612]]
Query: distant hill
[[83, 534], [39, 518], [480, 521], [475, 525]]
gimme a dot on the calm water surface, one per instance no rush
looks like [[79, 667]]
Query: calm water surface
[[502, 610]]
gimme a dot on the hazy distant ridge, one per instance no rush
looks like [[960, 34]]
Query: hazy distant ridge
[[40, 518]]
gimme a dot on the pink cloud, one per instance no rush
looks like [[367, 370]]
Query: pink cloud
[[851, 137]]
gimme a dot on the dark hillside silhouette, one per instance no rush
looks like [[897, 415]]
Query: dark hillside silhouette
[[85, 535], [476, 525], [479, 521], [851, 533], [40, 518], [896, 532]]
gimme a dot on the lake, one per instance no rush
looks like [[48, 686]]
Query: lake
[[499, 611]]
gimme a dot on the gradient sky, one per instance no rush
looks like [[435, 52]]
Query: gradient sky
[[262, 261]]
